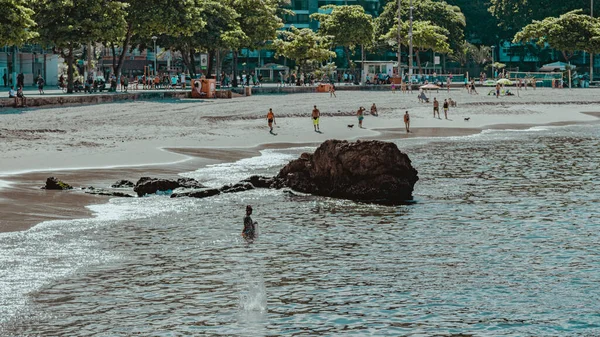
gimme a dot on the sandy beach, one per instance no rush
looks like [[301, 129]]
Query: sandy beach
[[96, 145]]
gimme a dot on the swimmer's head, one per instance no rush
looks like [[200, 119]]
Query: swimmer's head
[[248, 209]]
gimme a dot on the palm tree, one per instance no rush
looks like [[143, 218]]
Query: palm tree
[[462, 54]]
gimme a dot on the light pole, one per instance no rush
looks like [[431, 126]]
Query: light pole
[[399, 40], [154, 38], [410, 43], [592, 53], [493, 61]]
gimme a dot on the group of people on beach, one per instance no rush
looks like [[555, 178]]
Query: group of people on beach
[[316, 116], [446, 106]]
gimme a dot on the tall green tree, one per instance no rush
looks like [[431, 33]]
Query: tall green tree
[[303, 46], [481, 26], [348, 27], [68, 24], [513, 15], [259, 21], [570, 32], [145, 19], [217, 30], [16, 22], [439, 13], [426, 36]]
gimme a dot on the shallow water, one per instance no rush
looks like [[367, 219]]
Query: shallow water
[[502, 240]]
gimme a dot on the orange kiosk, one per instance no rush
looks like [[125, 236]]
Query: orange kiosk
[[323, 87], [204, 88]]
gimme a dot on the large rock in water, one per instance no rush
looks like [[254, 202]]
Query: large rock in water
[[369, 171], [147, 185]]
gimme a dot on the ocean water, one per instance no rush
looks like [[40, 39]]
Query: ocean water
[[502, 240]]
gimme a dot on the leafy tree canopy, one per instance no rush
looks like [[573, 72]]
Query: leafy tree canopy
[[568, 33], [348, 26], [439, 13], [303, 46], [513, 15], [16, 22]]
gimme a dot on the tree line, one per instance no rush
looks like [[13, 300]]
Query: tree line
[[228, 26]]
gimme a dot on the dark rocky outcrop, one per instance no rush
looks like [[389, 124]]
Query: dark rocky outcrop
[[369, 171], [197, 193], [147, 185], [123, 184], [239, 187], [53, 183], [101, 191]]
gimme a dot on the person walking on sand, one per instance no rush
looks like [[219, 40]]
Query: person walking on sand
[[360, 114], [40, 82], [271, 119], [436, 108], [446, 105], [316, 114], [250, 231], [332, 90], [497, 90], [407, 121]]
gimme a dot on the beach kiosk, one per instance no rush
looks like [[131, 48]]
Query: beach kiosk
[[204, 88]]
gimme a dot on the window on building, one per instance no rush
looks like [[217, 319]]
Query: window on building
[[300, 4]]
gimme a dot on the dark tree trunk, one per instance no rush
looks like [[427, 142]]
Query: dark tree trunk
[[192, 62], [70, 62], [234, 81], [211, 63], [123, 51], [114, 60], [419, 61], [185, 55]]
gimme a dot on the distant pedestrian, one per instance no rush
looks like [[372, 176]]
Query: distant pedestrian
[[40, 83], [20, 96], [407, 121], [497, 90], [436, 108], [446, 106], [360, 114], [271, 119], [5, 79], [332, 90], [393, 87], [316, 115]]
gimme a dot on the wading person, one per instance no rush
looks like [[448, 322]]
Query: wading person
[[249, 232]]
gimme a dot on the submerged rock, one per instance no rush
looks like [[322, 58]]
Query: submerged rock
[[122, 184], [101, 191], [53, 183], [197, 193], [147, 185], [369, 171]]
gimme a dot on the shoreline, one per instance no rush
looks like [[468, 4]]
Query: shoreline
[[101, 144], [45, 205]]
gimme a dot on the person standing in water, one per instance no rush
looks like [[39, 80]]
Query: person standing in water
[[271, 119], [249, 232]]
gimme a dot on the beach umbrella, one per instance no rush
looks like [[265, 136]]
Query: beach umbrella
[[489, 83], [429, 86], [504, 81]]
